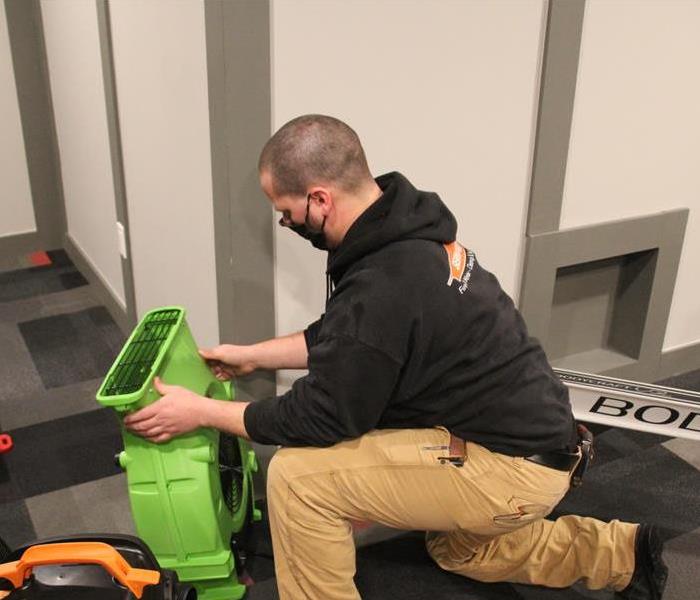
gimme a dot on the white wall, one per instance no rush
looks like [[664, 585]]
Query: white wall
[[77, 90], [16, 208], [161, 80], [444, 92], [635, 140]]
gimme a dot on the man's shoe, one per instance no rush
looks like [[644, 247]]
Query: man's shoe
[[650, 571]]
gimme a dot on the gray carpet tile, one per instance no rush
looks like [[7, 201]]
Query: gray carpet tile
[[18, 375], [66, 301], [100, 506], [72, 347], [16, 526], [39, 405], [682, 556], [69, 301], [11, 262], [688, 450]]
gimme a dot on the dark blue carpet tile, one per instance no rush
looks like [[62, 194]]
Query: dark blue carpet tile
[[60, 275], [401, 568], [61, 453], [72, 347], [614, 443], [260, 566], [8, 487], [653, 485], [687, 381], [59, 258]]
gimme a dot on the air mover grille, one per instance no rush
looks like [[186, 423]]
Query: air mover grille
[[136, 361], [231, 472]]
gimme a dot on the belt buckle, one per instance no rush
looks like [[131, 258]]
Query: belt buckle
[[587, 454]]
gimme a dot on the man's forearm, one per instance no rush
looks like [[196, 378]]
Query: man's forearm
[[225, 416], [287, 352]]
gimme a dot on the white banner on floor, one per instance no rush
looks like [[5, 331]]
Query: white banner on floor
[[633, 405]]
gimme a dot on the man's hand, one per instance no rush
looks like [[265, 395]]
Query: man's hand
[[228, 361], [178, 411]]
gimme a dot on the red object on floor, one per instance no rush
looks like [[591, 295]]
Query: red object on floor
[[5, 443], [39, 259]]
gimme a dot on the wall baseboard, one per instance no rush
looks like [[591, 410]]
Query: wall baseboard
[[102, 290], [671, 363], [680, 360]]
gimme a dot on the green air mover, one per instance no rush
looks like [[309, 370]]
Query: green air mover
[[192, 496]]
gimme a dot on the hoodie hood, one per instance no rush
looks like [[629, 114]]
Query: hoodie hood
[[401, 213]]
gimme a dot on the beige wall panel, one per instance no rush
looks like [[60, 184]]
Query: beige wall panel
[[635, 140], [16, 209], [444, 92], [161, 83], [75, 73]]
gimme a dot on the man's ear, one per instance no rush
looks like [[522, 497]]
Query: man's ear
[[323, 198]]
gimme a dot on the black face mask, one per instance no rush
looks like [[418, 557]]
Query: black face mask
[[316, 237]]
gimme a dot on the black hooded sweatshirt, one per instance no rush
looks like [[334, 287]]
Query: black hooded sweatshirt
[[417, 334]]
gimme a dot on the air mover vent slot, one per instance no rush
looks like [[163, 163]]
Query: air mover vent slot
[[136, 361]]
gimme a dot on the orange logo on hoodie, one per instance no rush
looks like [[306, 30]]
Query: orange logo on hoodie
[[457, 257]]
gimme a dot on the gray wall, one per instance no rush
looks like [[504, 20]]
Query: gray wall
[[27, 54], [605, 241], [555, 131], [75, 74], [16, 208]]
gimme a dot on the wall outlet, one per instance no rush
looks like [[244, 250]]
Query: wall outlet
[[121, 240]]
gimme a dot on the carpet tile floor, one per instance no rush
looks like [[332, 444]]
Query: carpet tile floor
[[60, 478]]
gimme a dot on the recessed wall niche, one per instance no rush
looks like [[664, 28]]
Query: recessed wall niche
[[599, 309], [598, 296]]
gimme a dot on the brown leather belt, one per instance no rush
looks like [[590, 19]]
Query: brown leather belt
[[560, 460]]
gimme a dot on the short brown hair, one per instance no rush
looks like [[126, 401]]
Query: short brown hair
[[314, 149]]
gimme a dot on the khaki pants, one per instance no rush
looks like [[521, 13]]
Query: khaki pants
[[484, 519]]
